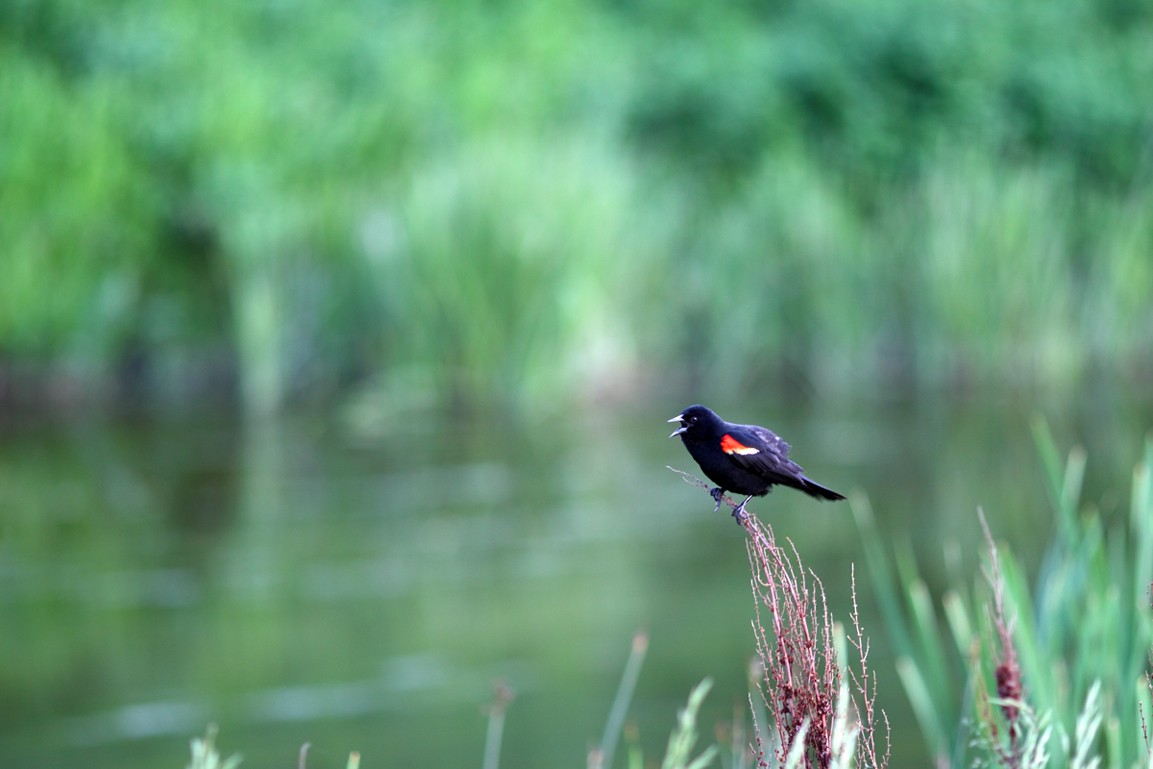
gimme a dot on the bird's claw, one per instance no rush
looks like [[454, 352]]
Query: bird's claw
[[740, 516], [717, 493]]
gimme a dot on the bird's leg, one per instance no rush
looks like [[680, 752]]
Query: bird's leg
[[739, 513], [717, 493]]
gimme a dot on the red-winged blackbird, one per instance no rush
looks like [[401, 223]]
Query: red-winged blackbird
[[746, 459]]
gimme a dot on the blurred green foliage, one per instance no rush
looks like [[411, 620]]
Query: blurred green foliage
[[531, 200]]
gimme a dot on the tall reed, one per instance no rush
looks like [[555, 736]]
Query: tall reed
[[1068, 652]]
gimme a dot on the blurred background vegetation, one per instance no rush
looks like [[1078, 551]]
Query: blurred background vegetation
[[809, 214], [528, 203]]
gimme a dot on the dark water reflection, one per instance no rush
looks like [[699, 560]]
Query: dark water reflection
[[361, 588]]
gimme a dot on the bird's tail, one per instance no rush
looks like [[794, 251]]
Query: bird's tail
[[814, 489]]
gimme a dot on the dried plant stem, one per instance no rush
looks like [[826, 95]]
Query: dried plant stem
[[801, 676], [801, 673], [866, 685]]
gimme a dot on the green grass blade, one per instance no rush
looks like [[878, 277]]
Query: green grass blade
[[684, 736], [620, 707]]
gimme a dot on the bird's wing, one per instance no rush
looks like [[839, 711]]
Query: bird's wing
[[759, 451]]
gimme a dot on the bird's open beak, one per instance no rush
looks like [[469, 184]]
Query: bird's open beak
[[680, 429]]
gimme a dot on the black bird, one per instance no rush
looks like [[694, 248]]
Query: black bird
[[746, 459]]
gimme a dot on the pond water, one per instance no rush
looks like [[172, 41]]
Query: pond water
[[360, 581]]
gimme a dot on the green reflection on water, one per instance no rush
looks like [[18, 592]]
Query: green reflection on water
[[301, 580]]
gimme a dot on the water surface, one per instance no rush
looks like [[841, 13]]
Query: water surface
[[360, 584]]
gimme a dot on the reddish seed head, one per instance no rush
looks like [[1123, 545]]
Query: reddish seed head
[[1008, 681]]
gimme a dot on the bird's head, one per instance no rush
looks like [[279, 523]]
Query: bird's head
[[694, 420]]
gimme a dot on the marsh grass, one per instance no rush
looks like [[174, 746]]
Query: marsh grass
[[1044, 674], [603, 755], [683, 740], [529, 204], [205, 754], [502, 697]]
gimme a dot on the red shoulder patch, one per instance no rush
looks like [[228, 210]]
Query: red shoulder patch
[[731, 445]]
